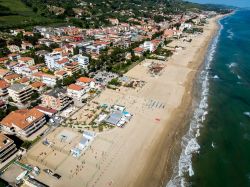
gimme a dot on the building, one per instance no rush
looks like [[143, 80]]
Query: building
[[75, 91], [148, 46], [14, 56], [3, 105], [4, 72], [51, 59], [49, 80], [56, 99], [72, 68], [7, 148], [4, 88], [82, 60], [27, 60], [20, 93], [12, 78], [85, 81], [138, 51], [23, 122], [61, 74], [38, 86]]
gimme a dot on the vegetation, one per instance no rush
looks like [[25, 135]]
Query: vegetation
[[27, 144], [14, 14], [115, 82], [9, 109], [95, 13]]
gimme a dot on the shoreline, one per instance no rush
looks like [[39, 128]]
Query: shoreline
[[145, 151], [162, 169]]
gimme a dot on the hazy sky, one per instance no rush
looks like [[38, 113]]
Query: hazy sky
[[238, 3]]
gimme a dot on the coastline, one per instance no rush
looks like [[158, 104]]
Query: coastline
[[159, 171], [144, 152]]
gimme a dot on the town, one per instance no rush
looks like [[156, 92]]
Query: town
[[52, 81]]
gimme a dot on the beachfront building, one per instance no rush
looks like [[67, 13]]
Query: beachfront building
[[20, 93], [85, 81], [56, 99], [7, 147], [76, 91], [23, 122]]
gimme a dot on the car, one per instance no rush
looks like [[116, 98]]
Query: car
[[57, 175]]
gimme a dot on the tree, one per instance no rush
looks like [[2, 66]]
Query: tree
[[54, 45], [35, 9], [2, 43], [34, 95], [76, 50]]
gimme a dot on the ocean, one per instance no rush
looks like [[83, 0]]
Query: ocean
[[216, 148]]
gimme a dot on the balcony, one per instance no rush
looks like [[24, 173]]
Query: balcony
[[7, 150]]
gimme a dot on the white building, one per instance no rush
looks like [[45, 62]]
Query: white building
[[51, 59], [82, 60], [76, 91], [20, 93], [49, 80], [148, 46]]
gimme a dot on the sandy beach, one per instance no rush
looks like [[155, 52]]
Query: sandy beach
[[143, 152]]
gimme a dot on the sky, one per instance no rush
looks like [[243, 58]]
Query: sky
[[238, 3]]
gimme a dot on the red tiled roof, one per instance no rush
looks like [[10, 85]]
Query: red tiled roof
[[4, 84], [41, 108], [61, 72], [12, 76], [63, 61], [85, 80], [38, 84], [3, 59], [138, 49], [20, 118], [24, 79], [75, 87], [25, 59]]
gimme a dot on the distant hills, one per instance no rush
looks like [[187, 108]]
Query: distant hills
[[91, 13]]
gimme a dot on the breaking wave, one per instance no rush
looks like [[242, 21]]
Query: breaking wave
[[230, 34], [189, 141]]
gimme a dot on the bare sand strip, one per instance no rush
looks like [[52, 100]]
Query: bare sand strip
[[165, 154], [143, 152]]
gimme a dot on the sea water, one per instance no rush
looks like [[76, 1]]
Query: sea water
[[216, 148]]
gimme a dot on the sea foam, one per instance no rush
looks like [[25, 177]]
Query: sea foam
[[189, 141]]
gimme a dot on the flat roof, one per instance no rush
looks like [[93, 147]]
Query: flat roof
[[114, 118]]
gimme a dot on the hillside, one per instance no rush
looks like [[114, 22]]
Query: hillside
[[90, 13], [14, 13]]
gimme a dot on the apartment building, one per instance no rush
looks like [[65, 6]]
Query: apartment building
[[23, 122], [20, 93], [51, 59], [72, 68], [7, 147], [56, 99], [76, 91], [82, 60]]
